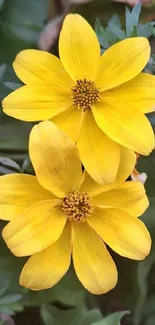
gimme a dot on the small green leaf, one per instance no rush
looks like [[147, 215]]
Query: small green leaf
[[132, 18], [110, 36], [115, 20], [54, 316], [120, 34], [8, 166], [153, 30], [92, 316], [10, 299], [113, 319], [2, 71], [135, 13], [27, 166], [1, 3], [4, 286], [101, 34], [22, 22], [12, 85], [134, 31], [6, 310], [145, 30]]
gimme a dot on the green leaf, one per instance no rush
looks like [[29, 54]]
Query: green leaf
[[145, 30], [8, 166], [2, 71], [77, 316], [132, 18], [4, 286], [12, 85], [134, 31], [92, 316], [101, 34], [120, 34], [115, 20], [10, 299], [153, 31], [1, 4], [22, 22], [151, 66], [68, 292], [6, 310], [110, 36], [113, 319], [54, 316], [27, 166]]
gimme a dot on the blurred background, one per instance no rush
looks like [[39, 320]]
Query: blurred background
[[36, 24]]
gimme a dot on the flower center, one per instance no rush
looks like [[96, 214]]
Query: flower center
[[77, 206], [85, 94]]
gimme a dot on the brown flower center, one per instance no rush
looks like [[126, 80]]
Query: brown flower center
[[77, 206], [85, 94]]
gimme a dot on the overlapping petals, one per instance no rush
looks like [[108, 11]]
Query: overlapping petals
[[122, 62], [18, 192], [70, 121], [55, 159], [139, 92], [124, 124], [116, 121], [129, 196], [125, 234], [44, 269], [42, 228], [35, 229]]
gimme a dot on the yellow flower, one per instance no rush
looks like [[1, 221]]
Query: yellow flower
[[63, 212], [98, 101]]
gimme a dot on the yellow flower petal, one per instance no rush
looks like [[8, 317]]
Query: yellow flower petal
[[122, 62], [138, 208], [70, 121], [89, 186], [125, 234], [36, 229], [55, 159], [127, 164], [125, 196], [44, 269], [18, 192], [33, 67], [79, 48], [41, 103], [138, 91], [125, 125], [92, 262], [99, 154]]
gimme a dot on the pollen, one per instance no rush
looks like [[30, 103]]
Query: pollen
[[77, 206], [85, 94]]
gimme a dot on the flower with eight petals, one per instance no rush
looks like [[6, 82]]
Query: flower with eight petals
[[63, 212], [99, 101]]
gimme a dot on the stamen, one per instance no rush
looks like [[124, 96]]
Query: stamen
[[77, 206], [85, 94]]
